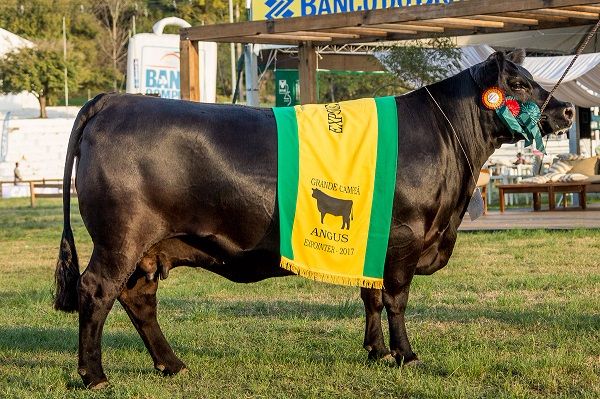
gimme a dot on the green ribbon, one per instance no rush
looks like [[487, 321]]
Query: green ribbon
[[525, 124]]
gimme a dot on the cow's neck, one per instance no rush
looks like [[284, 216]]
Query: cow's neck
[[475, 128]]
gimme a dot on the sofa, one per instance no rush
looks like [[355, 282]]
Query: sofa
[[572, 168]]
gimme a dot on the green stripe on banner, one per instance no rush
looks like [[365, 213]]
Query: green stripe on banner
[[385, 184], [287, 175]]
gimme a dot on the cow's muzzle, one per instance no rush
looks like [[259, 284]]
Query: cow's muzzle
[[557, 119]]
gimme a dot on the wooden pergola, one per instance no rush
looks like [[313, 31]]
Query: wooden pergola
[[467, 17]]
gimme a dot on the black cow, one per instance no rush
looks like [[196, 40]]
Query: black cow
[[176, 182], [334, 206]]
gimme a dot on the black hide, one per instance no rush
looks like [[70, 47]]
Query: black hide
[[182, 183]]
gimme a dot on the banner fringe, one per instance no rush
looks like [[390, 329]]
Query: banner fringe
[[363, 282]]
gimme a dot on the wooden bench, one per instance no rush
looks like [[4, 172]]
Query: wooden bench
[[36, 185], [551, 189]]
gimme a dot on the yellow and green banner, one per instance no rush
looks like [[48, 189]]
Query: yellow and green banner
[[335, 187]]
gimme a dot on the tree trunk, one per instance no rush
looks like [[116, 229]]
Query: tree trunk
[[42, 100]]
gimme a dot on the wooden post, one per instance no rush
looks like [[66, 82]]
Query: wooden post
[[537, 201], [551, 198], [32, 193], [307, 71], [189, 67]]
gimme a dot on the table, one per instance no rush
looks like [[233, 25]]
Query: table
[[550, 188]]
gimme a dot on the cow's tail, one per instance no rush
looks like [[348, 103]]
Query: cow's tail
[[66, 276], [352, 211]]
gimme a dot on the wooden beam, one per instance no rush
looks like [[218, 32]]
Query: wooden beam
[[327, 34], [307, 71], [419, 28], [568, 13], [394, 28], [360, 31], [282, 38], [510, 20], [411, 15], [584, 8], [264, 39], [189, 70], [465, 23], [295, 37], [540, 17]]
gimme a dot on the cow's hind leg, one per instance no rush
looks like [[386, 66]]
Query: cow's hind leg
[[374, 342], [99, 286], [139, 300]]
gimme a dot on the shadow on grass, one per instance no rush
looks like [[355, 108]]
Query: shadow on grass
[[29, 348], [35, 339], [281, 309], [544, 314]]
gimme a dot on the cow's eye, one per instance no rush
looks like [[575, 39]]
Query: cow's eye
[[518, 86]]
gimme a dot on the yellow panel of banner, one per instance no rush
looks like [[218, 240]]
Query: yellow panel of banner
[[274, 9]]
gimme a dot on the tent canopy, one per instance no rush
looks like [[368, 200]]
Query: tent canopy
[[460, 18], [558, 41], [9, 42], [581, 86]]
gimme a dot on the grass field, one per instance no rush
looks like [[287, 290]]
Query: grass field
[[514, 314]]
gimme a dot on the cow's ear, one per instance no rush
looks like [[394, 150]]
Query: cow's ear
[[517, 56], [487, 73]]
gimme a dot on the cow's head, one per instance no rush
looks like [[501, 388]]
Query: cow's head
[[505, 71]]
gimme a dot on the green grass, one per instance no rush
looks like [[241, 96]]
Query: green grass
[[514, 315]]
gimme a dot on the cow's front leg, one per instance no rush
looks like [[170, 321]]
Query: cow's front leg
[[374, 342], [395, 300], [399, 271]]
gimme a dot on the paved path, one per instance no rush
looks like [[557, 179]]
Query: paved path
[[573, 218]]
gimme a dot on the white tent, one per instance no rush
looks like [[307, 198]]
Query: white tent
[[10, 42], [554, 41], [581, 86]]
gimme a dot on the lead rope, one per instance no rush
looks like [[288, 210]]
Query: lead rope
[[577, 54], [456, 135]]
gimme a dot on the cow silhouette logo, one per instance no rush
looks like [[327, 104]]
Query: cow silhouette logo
[[334, 206]]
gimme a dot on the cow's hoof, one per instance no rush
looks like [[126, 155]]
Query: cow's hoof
[[177, 368], [91, 382], [409, 361], [414, 363], [380, 354], [98, 386]]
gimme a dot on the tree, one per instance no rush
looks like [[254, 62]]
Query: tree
[[417, 64], [41, 20], [347, 85], [98, 31], [39, 71], [115, 17]]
